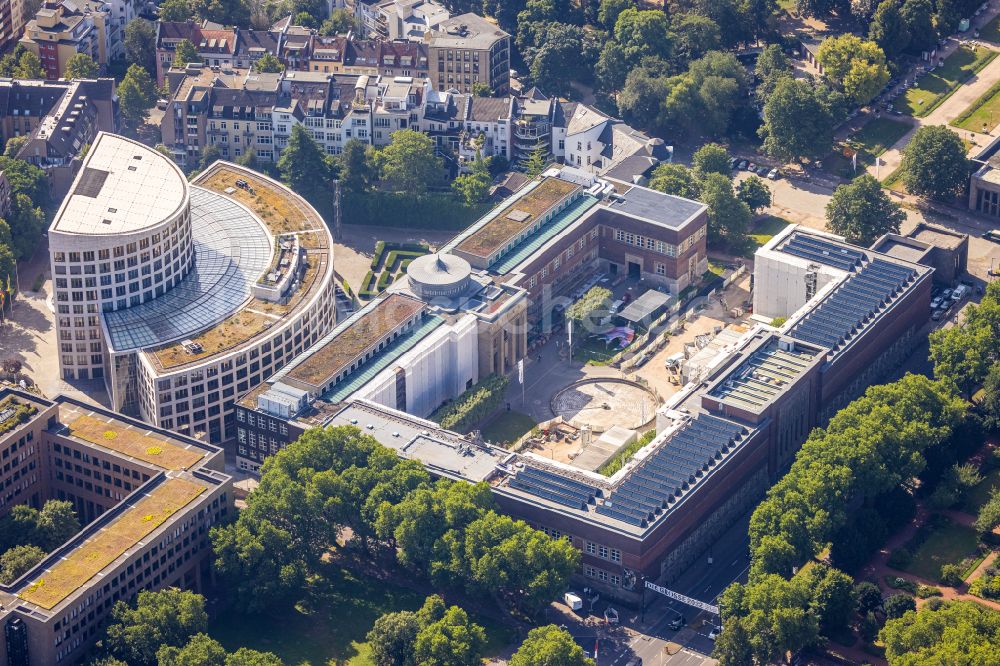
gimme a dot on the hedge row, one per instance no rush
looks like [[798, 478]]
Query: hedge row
[[366, 292], [384, 280], [395, 256], [377, 257], [472, 406], [429, 211]]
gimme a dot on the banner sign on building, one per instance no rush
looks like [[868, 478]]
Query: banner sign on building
[[683, 599]]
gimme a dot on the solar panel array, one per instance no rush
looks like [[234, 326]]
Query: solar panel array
[[816, 249], [676, 466], [849, 307], [555, 487]]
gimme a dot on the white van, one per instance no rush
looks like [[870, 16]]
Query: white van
[[574, 602]]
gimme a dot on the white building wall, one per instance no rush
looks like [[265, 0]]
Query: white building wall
[[438, 369], [583, 148], [780, 283]]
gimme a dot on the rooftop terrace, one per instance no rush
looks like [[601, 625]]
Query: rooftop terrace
[[81, 563], [352, 339], [282, 213], [501, 228]]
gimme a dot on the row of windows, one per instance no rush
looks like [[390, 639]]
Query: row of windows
[[602, 575], [604, 552], [564, 256]]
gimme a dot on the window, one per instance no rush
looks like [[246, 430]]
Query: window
[[616, 555], [591, 548]]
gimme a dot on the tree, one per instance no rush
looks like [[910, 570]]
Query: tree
[[14, 145], [856, 66], [711, 158], [165, 618], [201, 650], [340, 22], [989, 513], [889, 30], [453, 640], [175, 10], [897, 605], [392, 638], [989, 405], [303, 166], [550, 646], [584, 309], [408, 163], [7, 263], [356, 168], [862, 212], [226, 12], [184, 53], [755, 193], [732, 647], [918, 15], [209, 156], [80, 66], [867, 597], [57, 522], [728, 217], [934, 163], [136, 94], [537, 161], [772, 65], [17, 561], [27, 223], [268, 64], [480, 89], [642, 33], [694, 36], [676, 179], [956, 632], [474, 187], [247, 657], [29, 66], [140, 44], [797, 121], [610, 10]]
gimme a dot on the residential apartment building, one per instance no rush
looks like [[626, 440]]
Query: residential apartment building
[[60, 30], [12, 20], [146, 497], [405, 19], [466, 50], [343, 54], [216, 46], [59, 118], [180, 296]]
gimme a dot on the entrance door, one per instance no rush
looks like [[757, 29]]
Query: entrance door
[[634, 270]]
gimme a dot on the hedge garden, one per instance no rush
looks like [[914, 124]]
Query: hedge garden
[[389, 260]]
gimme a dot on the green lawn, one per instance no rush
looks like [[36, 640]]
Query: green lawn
[[507, 428], [594, 352], [894, 181], [937, 86], [984, 112], [977, 496], [949, 544], [876, 137], [335, 631], [765, 230]]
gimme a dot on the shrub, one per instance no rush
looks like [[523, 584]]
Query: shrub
[[926, 591], [778, 322], [377, 257], [896, 605], [951, 575], [472, 406], [366, 286], [898, 583], [934, 603], [900, 558], [395, 256], [391, 209], [384, 280]]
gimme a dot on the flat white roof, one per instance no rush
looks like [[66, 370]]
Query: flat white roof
[[122, 187]]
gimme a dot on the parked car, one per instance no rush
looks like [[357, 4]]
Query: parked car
[[677, 623], [946, 293], [712, 635], [742, 165], [772, 174], [733, 163], [959, 293], [752, 168], [936, 316], [936, 303], [762, 170]]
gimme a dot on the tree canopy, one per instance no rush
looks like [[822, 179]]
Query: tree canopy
[[958, 632], [408, 164], [165, 618], [140, 44], [304, 167], [80, 66], [857, 67], [862, 212], [934, 163], [799, 118], [550, 645]]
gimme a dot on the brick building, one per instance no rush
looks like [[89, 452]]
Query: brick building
[[145, 496]]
